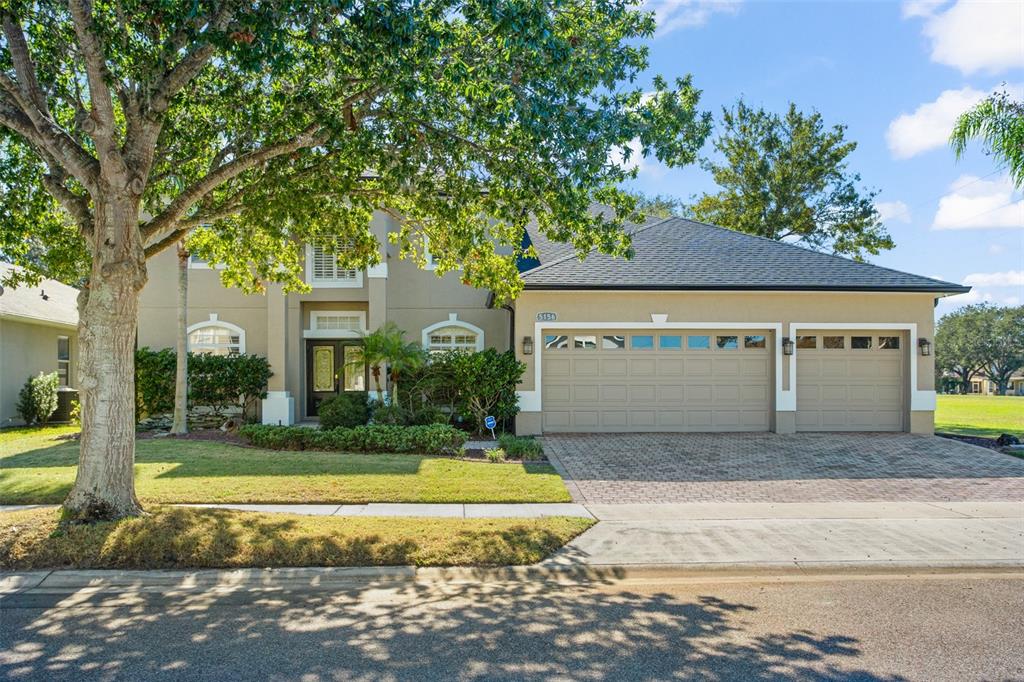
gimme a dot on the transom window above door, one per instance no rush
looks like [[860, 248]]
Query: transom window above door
[[323, 269], [333, 320]]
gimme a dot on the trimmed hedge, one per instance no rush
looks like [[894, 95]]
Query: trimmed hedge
[[432, 439], [347, 409]]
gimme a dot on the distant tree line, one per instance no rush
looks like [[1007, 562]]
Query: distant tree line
[[979, 340]]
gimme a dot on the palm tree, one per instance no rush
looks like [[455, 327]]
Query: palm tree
[[403, 356], [373, 353], [998, 123]]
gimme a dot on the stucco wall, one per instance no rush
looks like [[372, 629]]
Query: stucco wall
[[25, 350], [785, 308]]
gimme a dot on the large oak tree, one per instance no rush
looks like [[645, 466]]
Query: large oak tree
[[258, 126]]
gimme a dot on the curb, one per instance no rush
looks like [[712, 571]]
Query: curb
[[325, 579]]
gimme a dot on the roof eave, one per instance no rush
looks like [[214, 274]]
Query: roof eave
[[951, 290]]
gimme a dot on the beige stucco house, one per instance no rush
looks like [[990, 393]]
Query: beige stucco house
[[705, 329], [37, 334]]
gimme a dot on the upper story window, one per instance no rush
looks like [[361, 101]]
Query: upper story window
[[323, 270], [216, 337], [64, 360]]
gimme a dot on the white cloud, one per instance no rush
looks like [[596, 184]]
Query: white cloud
[[893, 211], [950, 303], [973, 203], [671, 15], [1010, 278], [930, 124], [650, 167], [996, 249], [973, 35]]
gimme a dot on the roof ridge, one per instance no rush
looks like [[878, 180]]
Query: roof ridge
[[809, 250], [566, 257]]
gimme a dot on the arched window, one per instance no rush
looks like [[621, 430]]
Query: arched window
[[453, 334], [216, 337]]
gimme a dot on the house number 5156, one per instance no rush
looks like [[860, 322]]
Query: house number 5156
[[547, 317]]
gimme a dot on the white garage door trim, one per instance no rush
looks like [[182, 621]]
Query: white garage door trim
[[530, 401], [919, 400]]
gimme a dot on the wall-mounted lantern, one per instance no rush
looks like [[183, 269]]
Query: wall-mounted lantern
[[925, 345], [787, 346], [527, 345]]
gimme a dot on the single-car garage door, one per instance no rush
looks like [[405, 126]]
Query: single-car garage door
[[656, 380], [850, 381]]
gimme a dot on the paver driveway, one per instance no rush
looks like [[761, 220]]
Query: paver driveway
[[765, 467]]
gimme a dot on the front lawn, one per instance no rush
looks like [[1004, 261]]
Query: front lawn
[[175, 537], [36, 467], [985, 416]]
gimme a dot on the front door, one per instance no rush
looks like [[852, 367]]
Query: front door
[[330, 370]]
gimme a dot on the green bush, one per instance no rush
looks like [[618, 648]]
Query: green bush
[[495, 455], [518, 447], [215, 382], [429, 414], [433, 439], [346, 409], [485, 383], [391, 415], [37, 400]]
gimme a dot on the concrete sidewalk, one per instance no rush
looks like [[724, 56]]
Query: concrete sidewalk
[[956, 534], [451, 511]]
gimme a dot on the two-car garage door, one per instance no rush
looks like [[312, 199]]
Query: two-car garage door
[[716, 380], [719, 380]]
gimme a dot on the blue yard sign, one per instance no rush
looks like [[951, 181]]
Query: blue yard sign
[[490, 422]]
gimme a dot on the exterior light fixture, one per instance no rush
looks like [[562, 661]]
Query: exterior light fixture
[[787, 346], [527, 345], [925, 345]]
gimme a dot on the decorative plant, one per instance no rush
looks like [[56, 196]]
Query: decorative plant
[[37, 400]]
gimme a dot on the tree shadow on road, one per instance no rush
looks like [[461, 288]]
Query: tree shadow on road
[[522, 630]]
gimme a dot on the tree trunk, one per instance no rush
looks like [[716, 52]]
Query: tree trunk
[[179, 425], [108, 308]]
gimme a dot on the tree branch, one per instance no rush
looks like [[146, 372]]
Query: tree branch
[[24, 69], [97, 75], [176, 210]]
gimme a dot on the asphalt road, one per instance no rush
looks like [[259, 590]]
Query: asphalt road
[[939, 627]]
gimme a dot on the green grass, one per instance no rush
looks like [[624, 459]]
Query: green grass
[[985, 416], [36, 467], [171, 537]]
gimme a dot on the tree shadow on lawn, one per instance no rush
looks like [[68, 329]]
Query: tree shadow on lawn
[[384, 630]]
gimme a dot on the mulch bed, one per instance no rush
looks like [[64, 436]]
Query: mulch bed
[[989, 443]]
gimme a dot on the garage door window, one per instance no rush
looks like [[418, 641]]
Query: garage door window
[[670, 342], [585, 342], [860, 342], [556, 341], [754, 341], [698, 342], [643, 342], [889, 342], [727, 342], [613, 342], [807, 342], [834, 342]]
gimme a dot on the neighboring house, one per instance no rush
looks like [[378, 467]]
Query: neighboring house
[[38, 333], [705, 329], [982, 385]]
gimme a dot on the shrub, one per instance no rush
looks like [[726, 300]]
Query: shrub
[[346, 409], [75, 415], [486, 382], [433, 439], [393, 415], [429, 414], [495, 455], [517, 447], [214, 381], [37, 400]]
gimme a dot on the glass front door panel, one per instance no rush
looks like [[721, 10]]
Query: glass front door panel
[[323, 368], [355, 371]]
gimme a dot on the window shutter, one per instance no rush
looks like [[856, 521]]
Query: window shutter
[[325, 263]]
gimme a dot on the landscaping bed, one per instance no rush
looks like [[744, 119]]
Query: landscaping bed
[[173, 537], [37, 466]]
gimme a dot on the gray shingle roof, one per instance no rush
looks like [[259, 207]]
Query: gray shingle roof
[[675, 253], [26, 303]]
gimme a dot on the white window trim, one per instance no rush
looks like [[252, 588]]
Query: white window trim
[[67, 377], [205, 265], [215, 321], [453, 321], [354, 283], [427, 255], [314, 333]]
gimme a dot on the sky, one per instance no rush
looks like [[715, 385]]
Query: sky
[[896, 74]]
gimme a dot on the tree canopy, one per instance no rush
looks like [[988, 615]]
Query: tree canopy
[[786, 178], [998, 123], [980, 339], [275, 123]]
